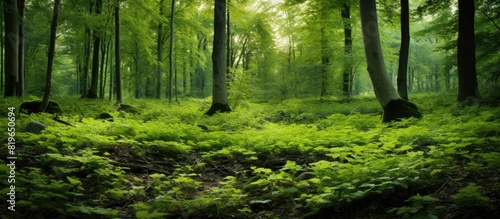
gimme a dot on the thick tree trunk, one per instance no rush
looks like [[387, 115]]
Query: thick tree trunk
[[403, 52], [171, 52], [11, 20], [219, 91], [20, 81], [1, 55], [86, 53], [347, 74], [51, 53], [95, 58], [118, 77], [395, 108], [229, 47], [467, 79]]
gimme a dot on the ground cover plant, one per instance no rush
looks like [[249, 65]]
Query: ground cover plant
[[300, 158]]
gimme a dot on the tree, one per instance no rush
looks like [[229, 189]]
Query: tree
[[395, 108], [20, 81], [92, 93], [466, 52], [51, 53], [171, 54], [159, 48], [118, 77], [347, 74], [403, 52], [219, 89], [11, 20]]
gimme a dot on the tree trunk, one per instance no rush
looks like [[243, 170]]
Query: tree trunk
[[86, 45], [403, 51], [395, 108], [219, 92], [118, 77], [229, 62], [347, 75], [467, 80], [101, 68], [11, 20], [171, 52], [1, 55], [51, 53], [325, 62], [137, 73], [20, 82], [103, 88], [159, 49], [95, 58]]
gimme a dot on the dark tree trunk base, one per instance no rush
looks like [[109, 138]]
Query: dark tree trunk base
[[34, 107], [218, 107], [399, 109]]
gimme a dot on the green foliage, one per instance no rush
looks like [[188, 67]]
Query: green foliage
[[300, 155], [470, 196]]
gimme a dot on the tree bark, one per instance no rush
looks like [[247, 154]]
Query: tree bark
[[159, 49], [347, 75], [2, 46], [325, 56], [403, 52], [171, 52], [118, 77], [11, 21], [395, 108], [219, 89], [20, 82], [51, 53], [95, 58], [466, 59], [137, 73]]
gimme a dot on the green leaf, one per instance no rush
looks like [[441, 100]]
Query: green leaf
[[73, 181]]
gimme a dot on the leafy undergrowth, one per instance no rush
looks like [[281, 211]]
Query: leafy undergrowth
[[294, 159]]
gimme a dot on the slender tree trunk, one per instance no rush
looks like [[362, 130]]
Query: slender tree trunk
[[86, 52], [20, 82], [184, 77], [101, 68], [347, 75], [111, 87], [11, 20], [137, 73], [118, 77], [395, 108], [105, 70], [159, 49], [95, 59], [325, 62], [467, 79], [51, 53], [171, 51], [219, 91], [403, 52]]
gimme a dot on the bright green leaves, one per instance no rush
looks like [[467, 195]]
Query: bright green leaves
[[470, 196]]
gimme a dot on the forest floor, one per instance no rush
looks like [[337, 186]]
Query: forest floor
[[298, 158]]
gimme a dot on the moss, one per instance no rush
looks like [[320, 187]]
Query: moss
[[34, 107], [399, 109], [128, 109]]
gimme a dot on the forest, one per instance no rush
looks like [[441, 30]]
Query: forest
[[250, 109]]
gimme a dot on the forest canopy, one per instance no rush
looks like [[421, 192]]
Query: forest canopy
[[275, 49]]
